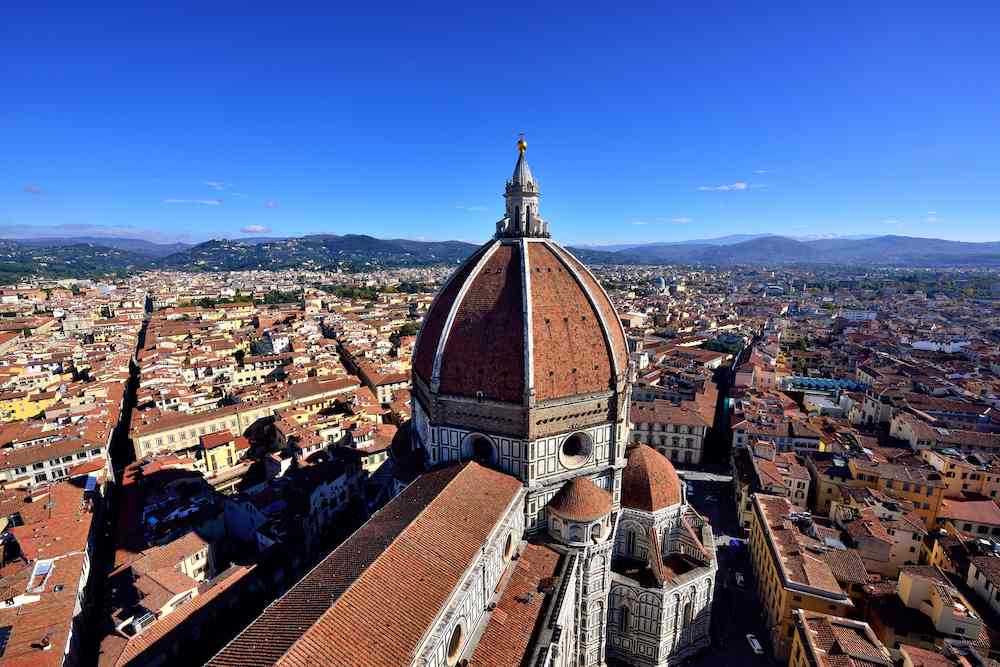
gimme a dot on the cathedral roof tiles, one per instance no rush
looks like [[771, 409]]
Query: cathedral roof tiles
[[649, 482], [581, 500], [372, 600]]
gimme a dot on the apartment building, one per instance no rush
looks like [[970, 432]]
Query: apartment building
[[790, 572]]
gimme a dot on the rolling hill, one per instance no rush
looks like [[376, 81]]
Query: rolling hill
[[91, 257]]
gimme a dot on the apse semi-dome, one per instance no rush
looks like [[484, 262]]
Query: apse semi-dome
[[581, 500], [650, 482]]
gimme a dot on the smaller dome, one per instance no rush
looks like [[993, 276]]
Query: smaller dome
[[581, 500], [649, 482]]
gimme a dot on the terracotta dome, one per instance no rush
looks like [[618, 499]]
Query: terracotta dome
[[581, 500], [649, 482], [521, 318]]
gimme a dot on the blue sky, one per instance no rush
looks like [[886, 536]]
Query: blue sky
[[653, 122]]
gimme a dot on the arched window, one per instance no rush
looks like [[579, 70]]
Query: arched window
[[623, 619], [455, 644], [630, 542], [576, 534], [508, 547], [595, 532]]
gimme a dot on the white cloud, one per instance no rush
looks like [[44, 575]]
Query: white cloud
[[681, 221], [255, 229], [763, 171], [271, 204], [638, 222], [738, 185], [217, 185], [204, 202], [931, 217], [475, 209], [893, 222], [33, 189]]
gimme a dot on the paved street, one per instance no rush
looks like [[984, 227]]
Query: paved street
[[736, 611]]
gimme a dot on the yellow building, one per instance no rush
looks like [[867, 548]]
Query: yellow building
[[220, 451], [965, 473], [790, 572], [923, 487], [822, 640], [21, 405]]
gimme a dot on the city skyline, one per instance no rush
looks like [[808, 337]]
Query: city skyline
[[665, 126]]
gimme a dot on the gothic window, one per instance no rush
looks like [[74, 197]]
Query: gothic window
[[647, 620], [623, 619], [630, 542]]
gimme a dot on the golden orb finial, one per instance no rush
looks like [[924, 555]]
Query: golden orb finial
[[522, 144]]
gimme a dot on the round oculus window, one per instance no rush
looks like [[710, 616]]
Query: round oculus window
[[576, 450]]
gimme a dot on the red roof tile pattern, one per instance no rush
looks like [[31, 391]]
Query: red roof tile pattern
[[841, 642], [649, 482], [581, 500], [508, 636], [216, 439], [437, 317], [571, 354], [372, 600], [603, 301], [485, 349]]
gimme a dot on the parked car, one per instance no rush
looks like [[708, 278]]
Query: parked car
[[738, 576], [755, 645]]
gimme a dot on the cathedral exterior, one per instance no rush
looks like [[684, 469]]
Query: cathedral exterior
[[527, 530]]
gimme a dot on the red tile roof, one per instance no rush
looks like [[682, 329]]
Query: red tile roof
[[575, 347], [216, 439], [581, 500], [570, 354], [372, 600], [437, 317], [507, 637], [485, 349], [649, 482]]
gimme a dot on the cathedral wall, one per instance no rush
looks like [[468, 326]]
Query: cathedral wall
[[659, 627], [465, 612]]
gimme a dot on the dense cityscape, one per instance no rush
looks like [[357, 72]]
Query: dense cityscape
[[308, 360], [637, 464]]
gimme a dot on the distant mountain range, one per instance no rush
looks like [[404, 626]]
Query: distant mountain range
[[92, 256], [731, 239], [138, 246], [773, 250]]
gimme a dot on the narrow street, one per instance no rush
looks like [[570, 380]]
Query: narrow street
[[121, 453], [736, 611]]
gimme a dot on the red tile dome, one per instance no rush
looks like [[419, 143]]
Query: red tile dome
[[581, 500], [649, 482], [520, 317]]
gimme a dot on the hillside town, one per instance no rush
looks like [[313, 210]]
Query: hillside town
[[179, 449]]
